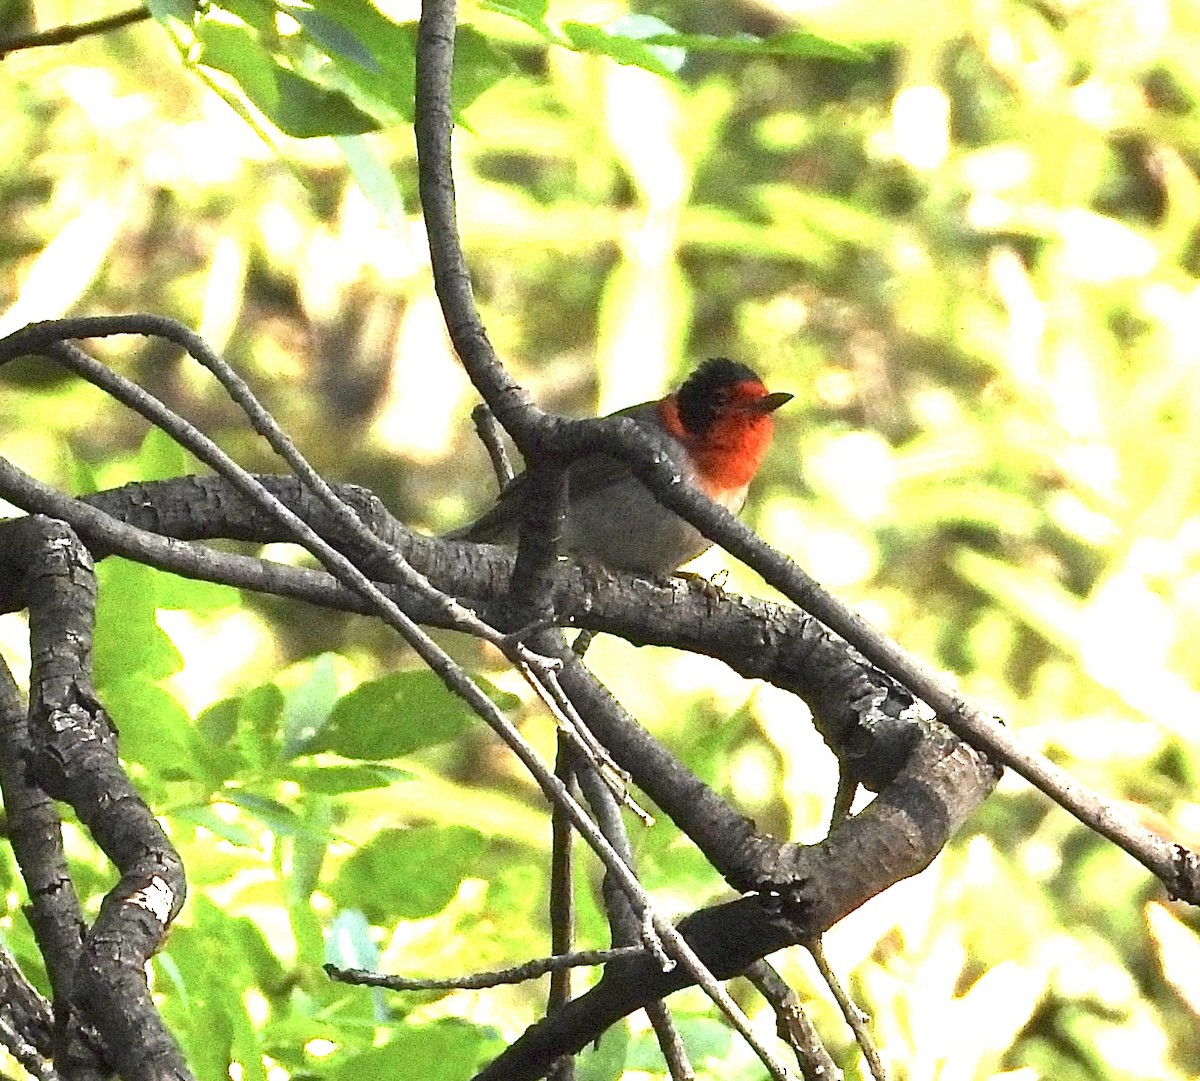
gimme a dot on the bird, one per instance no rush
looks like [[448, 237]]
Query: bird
[[720, 420]]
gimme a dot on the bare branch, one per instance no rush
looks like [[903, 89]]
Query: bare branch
[[71, 32], [530, 970], [72, 756], [792, 1024], [855, 1017], [562, 879], [489, 435], [622, 919], [433, 124], [26, 1022]]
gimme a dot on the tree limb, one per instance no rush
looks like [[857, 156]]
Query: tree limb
[[71, 32]]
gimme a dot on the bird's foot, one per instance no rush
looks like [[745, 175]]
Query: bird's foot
[[712, 588]]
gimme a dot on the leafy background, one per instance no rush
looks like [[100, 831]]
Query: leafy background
[[965, 237]]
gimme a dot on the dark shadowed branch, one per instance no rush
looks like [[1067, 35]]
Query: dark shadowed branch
[[71, 755], [71, 32]]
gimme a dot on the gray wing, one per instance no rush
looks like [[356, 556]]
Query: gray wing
[[585, 476]]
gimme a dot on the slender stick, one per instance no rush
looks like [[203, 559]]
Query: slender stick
[[562, 880], [531, 970], [64, 35], [855, 1017]]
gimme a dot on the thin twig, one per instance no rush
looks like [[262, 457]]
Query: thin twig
[[607, 812], [582, 643], [45, 338], [64, 35], [793, 1025], [26, 1020], [855, 1017], [562, 879], [48, 339], [583, 741], [843, 800], [530, 970], [489, 435]]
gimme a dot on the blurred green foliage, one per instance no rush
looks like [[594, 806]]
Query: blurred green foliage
[[966, 238]]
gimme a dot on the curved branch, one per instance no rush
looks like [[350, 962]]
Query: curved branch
[[433, 124], [905, 826], [775, 647], [36, 833], [73, 757], [635, 608]]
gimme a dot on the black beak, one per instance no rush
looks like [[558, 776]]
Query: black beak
[[770, 402]]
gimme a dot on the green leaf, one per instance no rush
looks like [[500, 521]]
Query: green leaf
[[154, 729], [408, 874], [128, 640], [260, 719], [260, 14], [308, 854], [305, 110], [375, 180], [217, 959], [393, 716], [647, 42], [587, 38], [367, 82], [80, 475], [179, 594], [336, 39], [339, 780], [530, 12], [386, 85], [705, 1038], [792, 43], [647, 28], [478, 66], [280, 820], [437, 1051], [306, 708], [604, 1060], [348, 944], [218, 723], [206, 816], [161, 458], [241, 735], [296, 105], [164, 11], [233, 47]]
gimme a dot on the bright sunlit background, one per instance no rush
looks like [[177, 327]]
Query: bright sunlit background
[[971, 253]]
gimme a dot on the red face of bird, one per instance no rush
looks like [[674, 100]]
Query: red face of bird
[[722, 415], [720, 389]]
